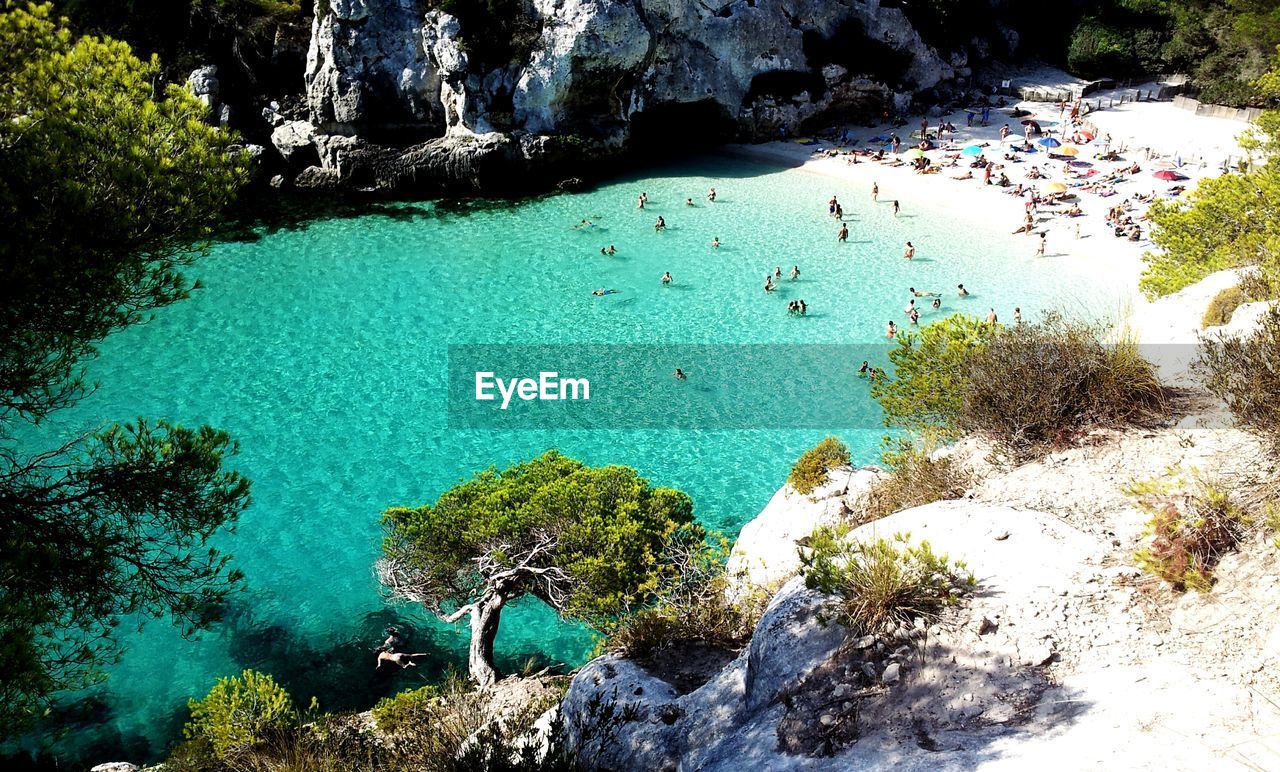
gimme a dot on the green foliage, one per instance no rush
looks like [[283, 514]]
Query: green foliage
[[1190, 532], [1223, 305], [1036, 387], [882, 583], [103, 188], [1244, 372], [916, 476], [1100, 48], [592, 543], [692, 607], [811, 469], [930, 375], [240, 711], [1226, 222], [411, 709]]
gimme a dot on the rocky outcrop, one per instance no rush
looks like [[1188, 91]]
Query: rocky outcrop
[[611, 72], [767, 549], [1065, 649]]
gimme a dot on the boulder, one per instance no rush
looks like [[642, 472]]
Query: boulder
[[203, 83], [115, 766], [294, 141]]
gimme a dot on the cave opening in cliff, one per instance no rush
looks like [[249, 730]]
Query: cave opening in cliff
[[680, 128]]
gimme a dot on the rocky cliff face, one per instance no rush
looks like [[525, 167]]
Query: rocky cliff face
[[593, 78]]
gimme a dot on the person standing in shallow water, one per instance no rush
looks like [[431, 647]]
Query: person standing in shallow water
[[844, 233], [660, 225], [896, 208], [910, 252], [961, 291], [875, 191]]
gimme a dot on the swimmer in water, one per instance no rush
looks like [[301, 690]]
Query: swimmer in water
[[961, 291], [843, 235], [768, 283], [711, 195], [612, 250], [777, 272], [937, 303], [911, 306], [715, 242], [920, 294], [804, 308], [601, 292], [892, 329], [679, 374], [795, 272], [660, 225], [863, 370], [666, 277]]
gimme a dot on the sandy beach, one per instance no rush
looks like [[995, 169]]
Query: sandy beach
[[1155, 135]]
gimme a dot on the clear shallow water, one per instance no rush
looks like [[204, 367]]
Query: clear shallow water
[[322, 350]]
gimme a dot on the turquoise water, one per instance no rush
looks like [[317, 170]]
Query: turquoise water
[[322, 350]]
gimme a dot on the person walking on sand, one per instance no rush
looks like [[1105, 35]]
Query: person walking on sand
[[1044, 235], [910, 252]]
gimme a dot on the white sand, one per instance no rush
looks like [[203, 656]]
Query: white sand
[[1151, 133]]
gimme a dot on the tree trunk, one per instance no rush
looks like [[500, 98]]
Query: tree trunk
[[484, 629]]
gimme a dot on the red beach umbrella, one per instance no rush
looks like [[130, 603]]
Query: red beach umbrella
[[1166, 174]]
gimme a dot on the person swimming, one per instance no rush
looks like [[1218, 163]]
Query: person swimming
[[660, 225], [679, 374], [666, 277], [961, 291], [715, 242], [937, 303], [863, 370], [920, 294], [602, 292]]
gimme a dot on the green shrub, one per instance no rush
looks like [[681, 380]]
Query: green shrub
[[1223, 305], [1036, 387], [240, 711], [694, 608], [930, 375], [914, 478], [883, 583], [1244, 372], [1190, 532], [810, 470], [414, 708]]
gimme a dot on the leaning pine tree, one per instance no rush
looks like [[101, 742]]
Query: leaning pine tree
[[589, 542]]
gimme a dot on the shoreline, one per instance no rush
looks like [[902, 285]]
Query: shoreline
[[1114, 262]]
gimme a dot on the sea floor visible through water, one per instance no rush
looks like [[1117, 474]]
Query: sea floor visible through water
[[322, 349]]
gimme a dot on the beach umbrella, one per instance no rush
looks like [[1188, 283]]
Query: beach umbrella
[[972, 150], [915, 152], [1068, 150], [1089, 135], [1049, 142], [1030, 122], [1056, 187], [1166, 174]]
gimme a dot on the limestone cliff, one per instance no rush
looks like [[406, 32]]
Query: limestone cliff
[[407, 84]]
